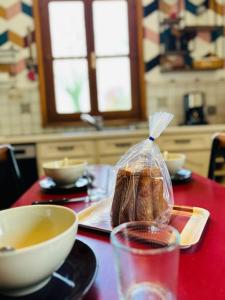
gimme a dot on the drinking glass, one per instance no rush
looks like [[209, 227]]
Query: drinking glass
[[97, 182], [146, 260]]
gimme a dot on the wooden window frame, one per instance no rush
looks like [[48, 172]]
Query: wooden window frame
[[44, 53]]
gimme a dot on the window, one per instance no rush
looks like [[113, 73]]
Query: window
[[90, 59]]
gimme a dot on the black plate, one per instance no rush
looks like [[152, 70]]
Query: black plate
[[49, 186], [79, 268], [182, 176]]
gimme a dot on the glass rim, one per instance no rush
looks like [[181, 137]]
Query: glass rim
[[116, 243]]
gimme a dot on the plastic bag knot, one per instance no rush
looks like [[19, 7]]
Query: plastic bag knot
[[151, 138]]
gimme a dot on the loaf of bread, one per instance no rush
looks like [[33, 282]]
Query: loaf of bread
[[138, 196]]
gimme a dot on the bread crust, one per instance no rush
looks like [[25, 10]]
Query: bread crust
[[138, 196]]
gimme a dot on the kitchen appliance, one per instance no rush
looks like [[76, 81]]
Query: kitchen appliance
[[194, 108]]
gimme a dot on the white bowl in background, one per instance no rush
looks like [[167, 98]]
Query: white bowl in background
[[42, 237], [174, 161], [64, 172]]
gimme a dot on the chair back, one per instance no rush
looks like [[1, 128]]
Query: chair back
[[11, 183], [217, 158]]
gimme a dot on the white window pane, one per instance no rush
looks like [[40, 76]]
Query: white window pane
[[71, 86], [67, 28], [113, 84], [111, 27]]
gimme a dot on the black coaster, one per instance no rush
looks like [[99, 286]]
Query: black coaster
[[49, 186], [182, 176]]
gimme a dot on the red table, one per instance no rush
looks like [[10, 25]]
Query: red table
[[202, 267]]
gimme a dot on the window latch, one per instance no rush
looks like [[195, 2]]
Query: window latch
[[93, 60]]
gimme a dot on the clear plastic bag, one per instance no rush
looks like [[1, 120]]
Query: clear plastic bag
[[143, 189]]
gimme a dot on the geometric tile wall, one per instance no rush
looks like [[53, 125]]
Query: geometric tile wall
[[16, 18], [165, 90], [193, 12], [16, 21]]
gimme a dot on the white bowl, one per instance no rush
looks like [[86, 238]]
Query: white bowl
[[174, 162], [64, 172], [42, 237]]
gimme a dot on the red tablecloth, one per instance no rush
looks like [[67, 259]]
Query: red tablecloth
[[202, 267]]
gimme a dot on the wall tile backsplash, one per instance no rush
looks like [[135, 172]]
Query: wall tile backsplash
[[20, 101], [172, 93]]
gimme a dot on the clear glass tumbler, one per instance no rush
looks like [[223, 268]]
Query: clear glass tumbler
[[146, 260]]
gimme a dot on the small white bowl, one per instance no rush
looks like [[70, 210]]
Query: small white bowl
[[42, 237], [174, 162], [64, 172]]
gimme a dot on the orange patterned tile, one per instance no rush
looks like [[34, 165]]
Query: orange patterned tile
[[2, 12], [15, 38], [5, 68], [217, 7]]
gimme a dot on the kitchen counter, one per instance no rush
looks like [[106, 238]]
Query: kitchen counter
[[108, 133], [107, 146]]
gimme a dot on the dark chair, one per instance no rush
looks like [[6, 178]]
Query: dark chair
[[11, 183], [217, 158]]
